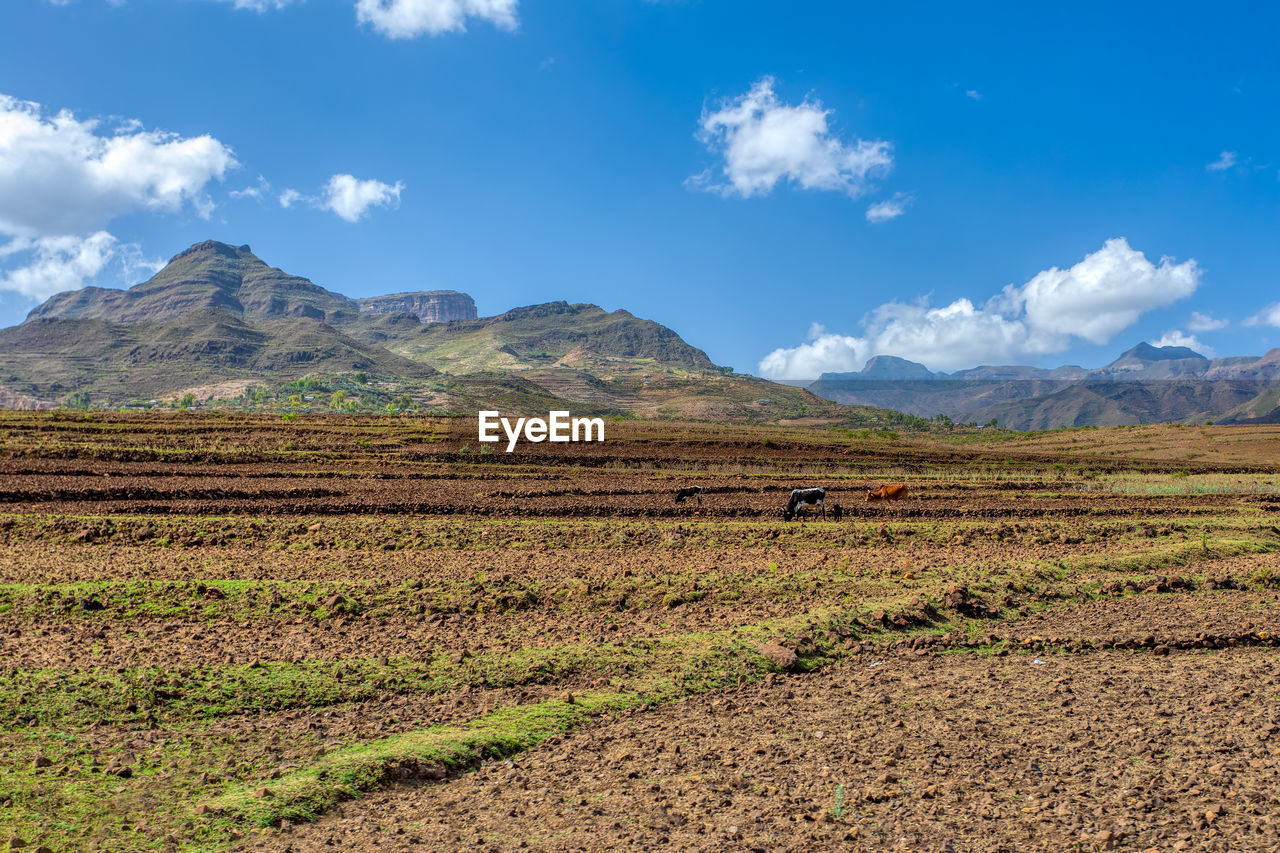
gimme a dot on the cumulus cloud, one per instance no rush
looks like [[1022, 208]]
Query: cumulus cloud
[[1100, 296], [402, 19], [764, 141], [1269, 316], [351, 198], [62, 179], [347, 196], [1226, 160], [1093, 300], [892, 208], [53, 264], [1179, 338], [62, 175], [1205, 323], [974, 94]]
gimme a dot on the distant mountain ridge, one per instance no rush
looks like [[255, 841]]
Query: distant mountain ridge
[[218, 323], [1145, 384], [1141, 362]]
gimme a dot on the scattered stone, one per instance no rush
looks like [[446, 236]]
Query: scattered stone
[[783, 657], [41, 760], [263, 793]]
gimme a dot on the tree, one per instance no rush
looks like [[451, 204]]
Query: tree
[[78, 401]]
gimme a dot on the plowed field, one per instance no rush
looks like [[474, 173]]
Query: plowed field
[[365, 633]]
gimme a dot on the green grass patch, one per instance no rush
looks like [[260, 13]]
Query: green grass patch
[[344, 773]]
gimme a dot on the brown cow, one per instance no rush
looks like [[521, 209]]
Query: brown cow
[[895, 492]]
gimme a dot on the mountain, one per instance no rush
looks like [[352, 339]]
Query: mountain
[[555, 333], [1149, 362], [208, 275], [885, 367], [1145, 384], [217, 323]]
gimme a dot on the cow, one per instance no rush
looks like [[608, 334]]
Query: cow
[[690, 492], [895, 492], [805, 497]]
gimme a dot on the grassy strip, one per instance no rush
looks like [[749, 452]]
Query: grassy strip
[[1171, 556], [431, 752]]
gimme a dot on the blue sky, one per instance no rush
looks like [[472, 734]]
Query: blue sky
[[792, 187]]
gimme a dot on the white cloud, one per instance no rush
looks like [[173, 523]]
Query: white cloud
[[60, 175], [892, 208], [402, 19], [55, 264], [765, 141], [1226, 160], [1094, 300], [347, 196], [256, 191], [973, 93], [262, 5], [1269, 316], [1178, 338], [1205, 323], [1101, 295], [351, 198]]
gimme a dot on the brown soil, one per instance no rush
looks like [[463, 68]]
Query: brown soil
[[961, 751], [145, 548]]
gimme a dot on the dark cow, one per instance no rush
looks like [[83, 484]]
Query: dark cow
[[805, 497], [690, 492]]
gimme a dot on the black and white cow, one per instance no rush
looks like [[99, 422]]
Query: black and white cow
[[805, 497], [689, 492]]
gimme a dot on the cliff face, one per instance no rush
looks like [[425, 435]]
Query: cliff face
[[429, 306]]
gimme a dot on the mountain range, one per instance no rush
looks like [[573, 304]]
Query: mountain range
[[1146, 384], [217, 325]]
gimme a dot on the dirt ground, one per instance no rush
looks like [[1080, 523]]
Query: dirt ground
[[897, 751], [215, 628]]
